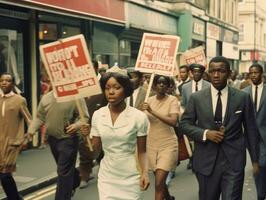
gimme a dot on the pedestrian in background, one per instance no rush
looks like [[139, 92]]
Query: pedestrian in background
[[118, 129], [62, 123], [257, 92], [162, 147], [215, 118], [87, 157], [139, 93], [13, 112]]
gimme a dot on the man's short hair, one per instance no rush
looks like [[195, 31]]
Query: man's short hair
[[185, 67], [257, 65], [221, 59], [11, 75]]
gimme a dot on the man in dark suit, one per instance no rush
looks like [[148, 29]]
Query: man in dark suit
[[214, 118], [257, 92], [195, 85], [138, 96]]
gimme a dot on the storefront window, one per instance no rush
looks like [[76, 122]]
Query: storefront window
[[47, 31], [68, 31], [11, 55]]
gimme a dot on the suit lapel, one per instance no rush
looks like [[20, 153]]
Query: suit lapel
[[190, 88], [228, 109], [208, 101], [262, 98]]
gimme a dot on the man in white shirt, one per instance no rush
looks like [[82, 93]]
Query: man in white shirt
[[257, 93], [221, 121]]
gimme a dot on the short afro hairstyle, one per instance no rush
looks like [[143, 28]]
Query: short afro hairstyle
[[221, 59], [257, 65], [9, 74], [157, 77], [123, 80]]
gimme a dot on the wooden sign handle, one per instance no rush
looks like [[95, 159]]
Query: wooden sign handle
[[82, 119], [149, 87]]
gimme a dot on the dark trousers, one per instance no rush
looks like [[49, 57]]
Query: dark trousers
[[86, 158], [260, 181], [9, 186], [222, 181], [65, 154]]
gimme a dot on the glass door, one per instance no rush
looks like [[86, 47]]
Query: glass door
[[14, 51]]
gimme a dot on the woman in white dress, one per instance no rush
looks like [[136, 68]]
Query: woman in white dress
[[119, 130]]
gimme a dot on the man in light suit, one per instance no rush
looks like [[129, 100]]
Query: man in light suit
[[195, 85], [214, 118], [257, 92], [138, 96]]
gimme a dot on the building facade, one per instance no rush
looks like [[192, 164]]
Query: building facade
[[252, 33]]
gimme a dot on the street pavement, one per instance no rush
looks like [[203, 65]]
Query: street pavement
[[183, 187], [36, 168]]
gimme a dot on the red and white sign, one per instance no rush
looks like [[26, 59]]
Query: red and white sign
[[68, 65], [195, 55], [157, 54]]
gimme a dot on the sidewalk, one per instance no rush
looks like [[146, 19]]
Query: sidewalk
[[35, 169]]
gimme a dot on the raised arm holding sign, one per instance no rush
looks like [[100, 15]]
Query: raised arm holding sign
[[71, 73]]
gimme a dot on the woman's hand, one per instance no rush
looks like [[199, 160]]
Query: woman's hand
[[144, 181], [85, 129], [146, 106]]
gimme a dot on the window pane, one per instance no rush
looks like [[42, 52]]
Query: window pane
[[12, 55], [47, 31], [68, 31]]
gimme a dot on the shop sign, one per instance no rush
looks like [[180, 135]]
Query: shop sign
[[213, 31], [157, 54], [68, 65], [108, 9], [198, 28], [230, 50]]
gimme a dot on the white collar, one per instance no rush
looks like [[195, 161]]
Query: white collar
[[8, 94], [259, 86], [214, 91]]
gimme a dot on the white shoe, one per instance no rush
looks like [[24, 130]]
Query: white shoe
[[83, 184]]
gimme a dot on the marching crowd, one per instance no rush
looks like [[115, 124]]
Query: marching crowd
[[221, 115]]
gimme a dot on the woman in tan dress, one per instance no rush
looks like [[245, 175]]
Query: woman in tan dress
[[162, 146], [12, 111]]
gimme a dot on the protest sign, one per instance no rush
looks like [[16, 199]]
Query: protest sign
[[157, 54], [68, 65], [195, 55]]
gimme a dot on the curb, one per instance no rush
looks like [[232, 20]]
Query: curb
[[35, 185]]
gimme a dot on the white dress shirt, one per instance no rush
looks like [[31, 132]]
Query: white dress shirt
[[224, 97], [260, 88], [214, 97], [194, 85]]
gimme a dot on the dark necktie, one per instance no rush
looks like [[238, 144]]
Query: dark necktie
[[218, 111], [131, 100], [196, 88], [256, 98]]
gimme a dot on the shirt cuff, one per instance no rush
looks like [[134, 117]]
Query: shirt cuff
[[204, 135]]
